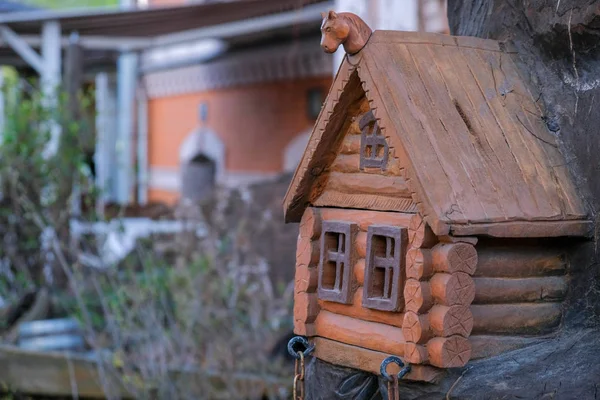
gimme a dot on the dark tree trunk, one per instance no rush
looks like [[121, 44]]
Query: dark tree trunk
[[559, 50]]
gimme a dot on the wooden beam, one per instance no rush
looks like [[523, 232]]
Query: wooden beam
[[22, 49]]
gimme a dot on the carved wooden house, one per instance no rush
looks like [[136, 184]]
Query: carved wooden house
[[433, 204]]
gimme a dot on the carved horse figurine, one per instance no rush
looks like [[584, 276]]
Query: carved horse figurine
[[344, 28]]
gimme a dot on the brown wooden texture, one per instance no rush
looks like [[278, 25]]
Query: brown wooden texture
[[342, 102], [419, 264], [449, 352], [359, 271], [511, 290], [360, 244], [420, 234], [345, 29], [512, 319], [416, 328], [454, 257], [310, 225], [520, 262], [368, 360], [307, 253], [452, 289], [484, 346], [351, 143], [476, 163], [356, 310], [306, 279], [417, 296], [306, 309], [415, 353], [360, 183], [448, 321], [369, 335], [364, 218]]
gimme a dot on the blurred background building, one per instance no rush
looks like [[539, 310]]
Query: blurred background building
[[192, 94]]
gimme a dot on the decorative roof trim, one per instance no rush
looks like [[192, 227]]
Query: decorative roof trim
[[295, 201], [277, 63]]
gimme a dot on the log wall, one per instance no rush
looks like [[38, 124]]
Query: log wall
[[463, 298]]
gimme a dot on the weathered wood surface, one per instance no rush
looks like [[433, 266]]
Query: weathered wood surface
[[356, 310], [449, 352], [515, 290], [452, 289], [484, 346], [338, 353], [417, 296], [61, 375], [472, 180], [368, 335], [365, 218], [520, 262], [519, 318], [448, 321]]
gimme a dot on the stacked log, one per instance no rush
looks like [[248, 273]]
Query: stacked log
[[438, 293], [306, 304]]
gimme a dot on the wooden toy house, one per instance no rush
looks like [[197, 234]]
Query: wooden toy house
[[433, 203]]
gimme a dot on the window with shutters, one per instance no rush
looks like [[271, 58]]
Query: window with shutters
[[373, 146], [335, 266], [384, 267]]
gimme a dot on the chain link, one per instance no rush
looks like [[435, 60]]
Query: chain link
[[392, 386], [299, 377]]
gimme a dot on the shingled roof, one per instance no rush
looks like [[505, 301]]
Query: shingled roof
[[474, 149]]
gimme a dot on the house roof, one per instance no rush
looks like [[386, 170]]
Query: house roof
[[11, 6], [155, 21], [469, 135]]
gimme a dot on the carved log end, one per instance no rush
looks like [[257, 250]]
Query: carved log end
[[415, 328], [417, 296], [448, 321], [453, 289], [415, 353], [310, 225], [455, 257], [452, 352]]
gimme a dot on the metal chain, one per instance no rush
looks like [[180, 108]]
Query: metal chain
[[298, 390], [393, 380], [392, 386], [299, 377]]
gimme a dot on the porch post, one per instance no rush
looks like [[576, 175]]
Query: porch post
[[51, 75], [126, 82]]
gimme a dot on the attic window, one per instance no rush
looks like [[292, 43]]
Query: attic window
[[335, 267], [373, 146], [383, 270]]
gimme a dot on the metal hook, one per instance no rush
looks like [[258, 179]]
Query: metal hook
[[404, 369], [299, 340]]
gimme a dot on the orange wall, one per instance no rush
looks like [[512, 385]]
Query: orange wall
[[255, 123]]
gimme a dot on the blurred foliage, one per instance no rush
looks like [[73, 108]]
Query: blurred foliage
[[36, 184], [182, 316]]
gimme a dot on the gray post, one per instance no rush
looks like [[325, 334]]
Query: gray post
[[126, 81], [142, 146], [51, 75]]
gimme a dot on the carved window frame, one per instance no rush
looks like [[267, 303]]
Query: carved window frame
[[386, 295], [337, 238], [371, 139]]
